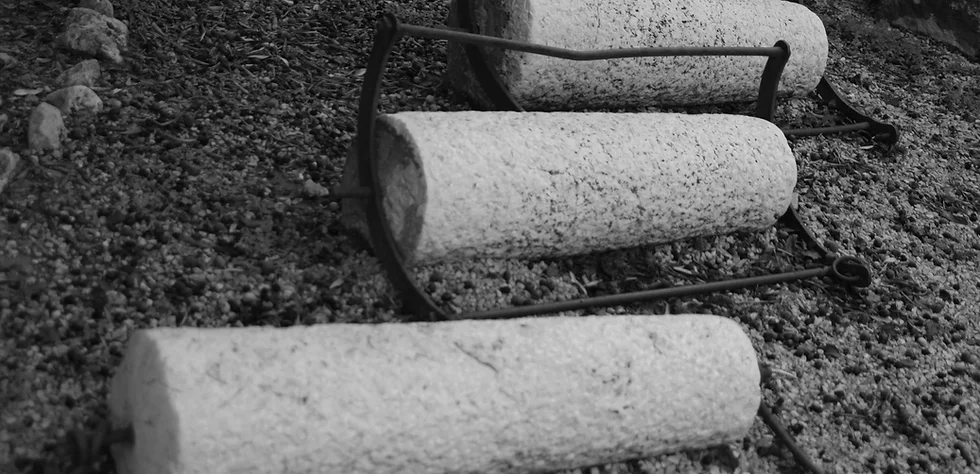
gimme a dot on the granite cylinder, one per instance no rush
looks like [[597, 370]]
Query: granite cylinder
[[463, 185], [545, 83], [523, 395]]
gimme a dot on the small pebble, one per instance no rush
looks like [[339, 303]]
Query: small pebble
[[831, 351], [975, 375], [192, 261], [964, 451], [905, 363]]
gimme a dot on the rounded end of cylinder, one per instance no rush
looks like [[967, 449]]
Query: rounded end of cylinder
[[403, 184]]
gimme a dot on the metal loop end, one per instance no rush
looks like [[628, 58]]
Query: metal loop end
[[851, 270]]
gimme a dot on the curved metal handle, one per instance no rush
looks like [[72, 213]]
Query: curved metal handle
[[415, 300], [852, 271]]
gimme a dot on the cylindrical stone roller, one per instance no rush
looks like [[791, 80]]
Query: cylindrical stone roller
[[509, 396], [463, 185], [545, 83]]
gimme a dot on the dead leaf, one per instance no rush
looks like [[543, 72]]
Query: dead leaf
[[23, 92]]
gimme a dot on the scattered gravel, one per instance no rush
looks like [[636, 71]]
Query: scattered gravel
[[184, 205]]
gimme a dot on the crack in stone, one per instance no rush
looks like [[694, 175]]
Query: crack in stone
[[474, 357]]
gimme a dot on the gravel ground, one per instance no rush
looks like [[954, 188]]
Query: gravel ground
[[183, 205]]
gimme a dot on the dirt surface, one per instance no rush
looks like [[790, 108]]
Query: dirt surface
[[183, 205]]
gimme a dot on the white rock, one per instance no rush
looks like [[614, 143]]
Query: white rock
[[8, 165], [75, 98], [314, 189], [90, 32], [85, 73], [523, 395], [46, 129]]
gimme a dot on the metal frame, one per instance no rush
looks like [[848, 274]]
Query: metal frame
[[844, 269], [85, 448], [881, 132]]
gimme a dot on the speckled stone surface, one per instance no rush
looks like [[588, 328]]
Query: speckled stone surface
[[544, 83], [462, 185], [522, 395]]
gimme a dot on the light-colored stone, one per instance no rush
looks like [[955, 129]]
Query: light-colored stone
[[85, 73], [90, 32], [524, 395], [6, 60], [546, 83], [72, 99], [954, 22], [313, 189], [465, 185], [8, 166], [46, 129], [102, 6]]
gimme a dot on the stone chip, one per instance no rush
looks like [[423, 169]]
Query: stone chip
[[46, 129], [85, 73], [72, 99], [94, 34]]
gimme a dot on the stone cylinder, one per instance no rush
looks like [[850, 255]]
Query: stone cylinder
[[464, 185], [545, 83], [509, 396]]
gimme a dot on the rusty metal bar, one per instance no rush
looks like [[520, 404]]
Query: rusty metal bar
[[810, 132], [577, 55]]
